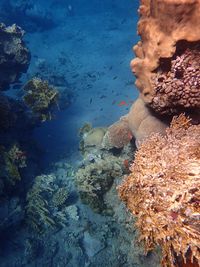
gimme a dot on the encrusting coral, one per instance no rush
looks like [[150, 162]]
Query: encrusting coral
[[40, 97], [168, 55], [163, 192]]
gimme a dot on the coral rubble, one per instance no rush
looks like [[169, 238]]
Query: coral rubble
[[167, 57], [162, 191], [14, 56]]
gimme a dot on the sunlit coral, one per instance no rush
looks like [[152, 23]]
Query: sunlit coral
[[163, 191]]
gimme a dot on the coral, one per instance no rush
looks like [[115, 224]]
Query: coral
[[14, 160], [14, 56], [60, 196], [178, 88], [90, 137], [40, 97], [168, 55], [95, 179], [45, 204], [142, 122], [163, 192], [118, 134]]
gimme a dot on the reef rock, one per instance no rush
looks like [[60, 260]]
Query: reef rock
[[163, 192], [168, 55], [14, 56]]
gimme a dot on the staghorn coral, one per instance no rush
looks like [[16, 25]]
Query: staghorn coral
[[14, 56], [163, 191], [40, 97], [168, 55]]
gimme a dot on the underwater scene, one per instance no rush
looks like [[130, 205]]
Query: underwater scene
[[100, 133]]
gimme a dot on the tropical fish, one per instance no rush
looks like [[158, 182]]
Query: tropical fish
[[122, 103]]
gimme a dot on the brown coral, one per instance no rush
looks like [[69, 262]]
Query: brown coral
[[118, 134], [168, 55], [163, 191]]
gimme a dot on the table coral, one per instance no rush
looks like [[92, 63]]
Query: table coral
[[163, 192], [168, 55]]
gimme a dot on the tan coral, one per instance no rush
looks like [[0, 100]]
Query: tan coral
[[142, 122], [118, 134], [168, 55], [163, 191]]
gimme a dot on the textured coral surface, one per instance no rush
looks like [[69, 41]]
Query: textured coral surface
[[168, 55], [163, 192]]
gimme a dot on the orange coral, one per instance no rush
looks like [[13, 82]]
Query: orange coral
[[168, 55], [163, 191]]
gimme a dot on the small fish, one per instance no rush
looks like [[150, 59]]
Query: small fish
[[90, 100], [114, 78], [102, 96], [114, 101], [122, 103]]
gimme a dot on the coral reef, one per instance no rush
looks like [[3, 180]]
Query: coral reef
[[162, 191], [46, 204], [40, 97], [118, 134], [15, 57], [167, 60]]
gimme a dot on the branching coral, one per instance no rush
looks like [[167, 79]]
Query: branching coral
[[45, 202], [14, 160], [163, 191], [95, 179], [40, 97]]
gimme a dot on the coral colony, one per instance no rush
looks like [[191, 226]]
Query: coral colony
[[162, 190]]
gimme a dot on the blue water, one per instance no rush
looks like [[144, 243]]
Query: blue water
[[83, 48]]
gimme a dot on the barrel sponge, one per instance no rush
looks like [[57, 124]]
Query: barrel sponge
[[163, 192], [168, 55], [142, 122]]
